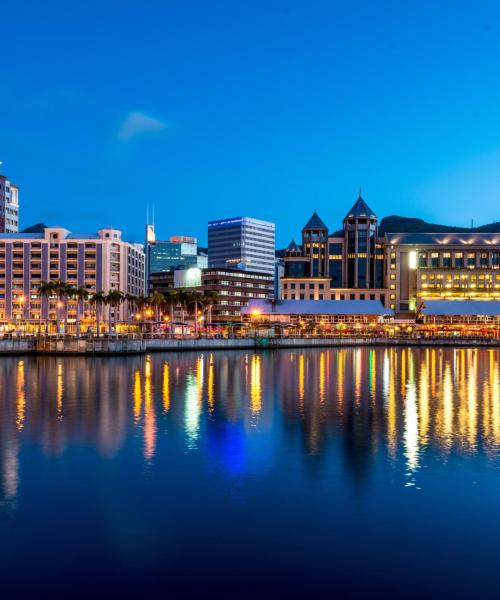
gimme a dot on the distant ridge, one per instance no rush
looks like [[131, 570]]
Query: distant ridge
[[36, 228], [397, 224]]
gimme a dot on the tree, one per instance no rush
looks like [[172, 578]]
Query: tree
[[156, 301], [182, 301], [45, 290], [98, 300], [59, 289], [81, 294], [211, 298], [131, 305], [67, 293], [114, 299], [171, 301], [195, 299]]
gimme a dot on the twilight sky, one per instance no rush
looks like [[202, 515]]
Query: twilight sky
[[266, 108]]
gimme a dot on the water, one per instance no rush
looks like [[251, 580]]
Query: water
[[335, 473]]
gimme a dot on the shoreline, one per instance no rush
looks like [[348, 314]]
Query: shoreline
[[124, 346]]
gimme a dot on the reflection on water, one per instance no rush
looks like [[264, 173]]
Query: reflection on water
[[401, 404]]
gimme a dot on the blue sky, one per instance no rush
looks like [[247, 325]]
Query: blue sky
[[265, 108]]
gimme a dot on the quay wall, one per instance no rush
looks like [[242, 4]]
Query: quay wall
[[124, 346]]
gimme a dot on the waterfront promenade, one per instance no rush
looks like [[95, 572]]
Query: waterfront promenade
[[125, 345]]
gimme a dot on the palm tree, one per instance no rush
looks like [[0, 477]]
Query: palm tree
[[131, 304], [98, 299], [114, 299], [182, 300], [211, 298], [171, 301], [81, 294], [156, 301], [195, 299], [45, 290], [68, 293], [58, 289]]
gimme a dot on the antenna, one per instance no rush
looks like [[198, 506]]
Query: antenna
[[153, 216]]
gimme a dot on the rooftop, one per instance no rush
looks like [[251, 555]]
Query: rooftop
[[317, 307], [315, 222], [444, 238], [360, 209], [461, 307]]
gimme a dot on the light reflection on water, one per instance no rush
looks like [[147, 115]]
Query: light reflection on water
[[447, 399], [401, 419]]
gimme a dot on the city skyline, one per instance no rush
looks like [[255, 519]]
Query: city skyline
[[285, 109]]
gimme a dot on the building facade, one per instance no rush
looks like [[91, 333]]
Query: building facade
[[243, 241], [234, 287], [448, 266], [345, 265], [178, 252], [99, 262], [399, 269], [9, 206]]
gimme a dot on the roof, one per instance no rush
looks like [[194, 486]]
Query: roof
[[292, 247], [315, 222], [21, 236], [458, 239], [317, 307], [360, 209], [461, 307]]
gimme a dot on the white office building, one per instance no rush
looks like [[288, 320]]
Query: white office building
[[242, 242]]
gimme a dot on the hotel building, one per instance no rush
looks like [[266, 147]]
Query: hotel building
[[99, 262], [244, 242], [9, 206], [399, 269]]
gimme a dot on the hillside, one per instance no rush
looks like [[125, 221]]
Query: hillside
[[397, 224]]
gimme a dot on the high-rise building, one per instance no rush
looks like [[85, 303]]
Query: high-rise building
[[97, 262], [178, 252], [242, 242], [9, 206]]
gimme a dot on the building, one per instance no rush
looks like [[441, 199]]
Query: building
[[178, 252], [398, 269], [451, 266], [316, 313], [235, 287], [98, 262], [345, 265], [243, 241], [9, 206], [469, 317]]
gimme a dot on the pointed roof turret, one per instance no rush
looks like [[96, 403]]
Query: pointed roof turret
[[315, 223], [360, 209], [292, 247]]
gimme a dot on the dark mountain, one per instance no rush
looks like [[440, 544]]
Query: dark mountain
[[396, 224], [36, 228]]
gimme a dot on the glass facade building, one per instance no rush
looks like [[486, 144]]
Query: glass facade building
[[244, 242]]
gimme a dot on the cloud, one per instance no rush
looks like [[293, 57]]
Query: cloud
[[137, 123]]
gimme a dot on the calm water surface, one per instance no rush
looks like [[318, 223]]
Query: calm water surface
[[336, 473]]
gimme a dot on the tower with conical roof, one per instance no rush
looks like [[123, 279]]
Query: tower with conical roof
[[315, 245], [360, 247]]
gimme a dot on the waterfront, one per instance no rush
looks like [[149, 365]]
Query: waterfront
[[351, 470]]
